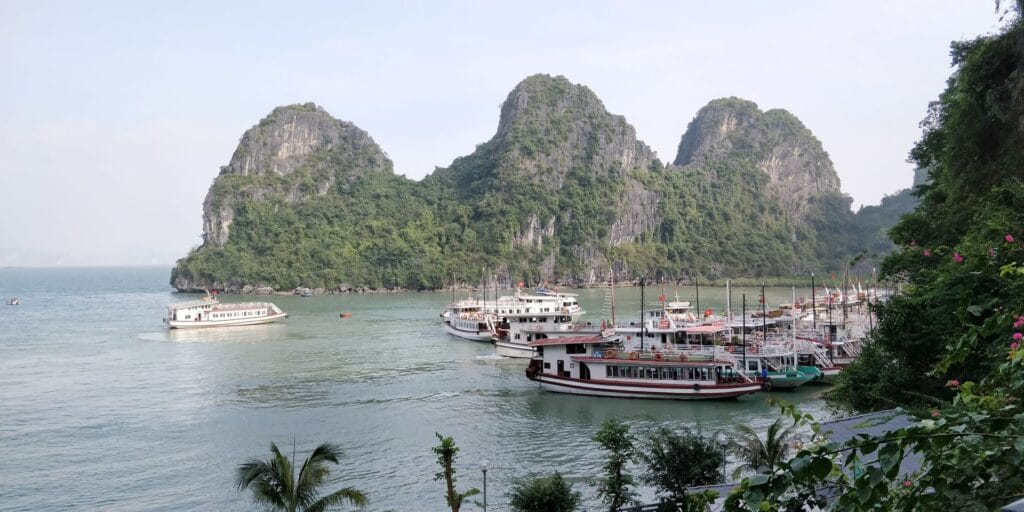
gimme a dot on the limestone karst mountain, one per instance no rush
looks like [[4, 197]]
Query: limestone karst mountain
[[562, 191]]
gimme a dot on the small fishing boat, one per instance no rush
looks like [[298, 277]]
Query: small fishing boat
[[13, 301]]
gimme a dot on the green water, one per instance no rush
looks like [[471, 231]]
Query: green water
[[105, 409]]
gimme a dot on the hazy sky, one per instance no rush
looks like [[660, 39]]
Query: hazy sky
[[116, 116]]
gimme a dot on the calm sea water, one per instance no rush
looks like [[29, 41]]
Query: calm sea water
[[102, 408]]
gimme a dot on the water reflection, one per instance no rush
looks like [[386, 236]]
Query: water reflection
[[233, 334]]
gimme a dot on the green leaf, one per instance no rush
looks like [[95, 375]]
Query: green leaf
[[889, 457], [757, 480], [821, 467], [869, 447], [974, 309]]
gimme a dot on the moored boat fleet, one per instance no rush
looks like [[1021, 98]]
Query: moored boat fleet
[[675, 351]]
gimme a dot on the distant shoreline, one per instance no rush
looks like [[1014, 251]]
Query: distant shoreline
[[745, 282]]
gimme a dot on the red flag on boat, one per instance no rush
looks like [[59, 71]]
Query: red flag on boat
[[661, 298]]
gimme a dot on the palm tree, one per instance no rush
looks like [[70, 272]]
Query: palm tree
[[273, 481], [759, 455]]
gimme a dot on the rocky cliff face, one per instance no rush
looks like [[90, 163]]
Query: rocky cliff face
[[549, 126], [295, 152], [555, 140], [776, 142]]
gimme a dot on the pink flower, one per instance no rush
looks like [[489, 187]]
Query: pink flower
[[1017, 336], [992, 253], [908, 483], [927, 253], [957, 258], [913, 243], [936, 413], [1019, 323], [1014, 346], [953, 384], [1009, 238]]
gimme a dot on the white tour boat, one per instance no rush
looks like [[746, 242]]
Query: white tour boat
[[470, 319], [209, 312], [533, 316], [597, 366], [485, 320]]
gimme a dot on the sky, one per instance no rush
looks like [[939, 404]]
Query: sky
[[115, 117]]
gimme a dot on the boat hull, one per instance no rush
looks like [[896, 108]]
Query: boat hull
[[203, 324], [467, 335], [516, 350], [829, 375], [654, 391], [787, 380]]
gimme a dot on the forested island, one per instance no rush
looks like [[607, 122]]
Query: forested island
[[562, 193]]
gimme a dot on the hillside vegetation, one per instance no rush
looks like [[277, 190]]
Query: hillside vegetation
[[561, 193]]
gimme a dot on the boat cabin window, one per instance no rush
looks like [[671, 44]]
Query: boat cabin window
[[576, 349]]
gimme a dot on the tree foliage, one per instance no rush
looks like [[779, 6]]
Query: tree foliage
[[762, 455], [275, 484], [954, 243], [616, 489], [676, 461], [543, 494], [950, 345], [446, 452]]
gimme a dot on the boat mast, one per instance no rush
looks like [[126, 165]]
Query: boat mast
[[643, 324], [728, 303], [611, 273], [744, 332], [845, 295], [700, 312], [764, 313], [814, 309], [792, 315]]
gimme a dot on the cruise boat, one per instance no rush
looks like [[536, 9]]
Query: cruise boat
[[488, 320], [601, 366], [209, 312], [539, 315], [470, 319]]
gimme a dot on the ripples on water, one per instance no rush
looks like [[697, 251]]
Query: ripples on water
[[104, 409]]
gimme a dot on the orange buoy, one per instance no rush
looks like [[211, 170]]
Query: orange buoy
[[345, 315], [634, 355]]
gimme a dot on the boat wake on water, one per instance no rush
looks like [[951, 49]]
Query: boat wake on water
[[491, 357]]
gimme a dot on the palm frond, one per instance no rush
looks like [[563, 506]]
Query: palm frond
[[285, 473], [263, 478], [349, 494], [314, 471]]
